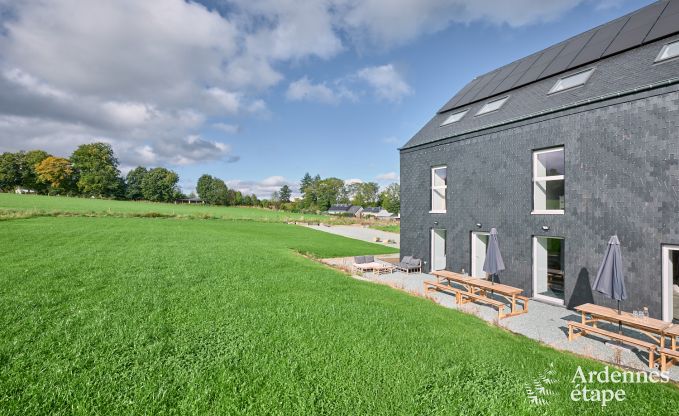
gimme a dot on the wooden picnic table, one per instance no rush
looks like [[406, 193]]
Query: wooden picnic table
[[673, 332], [482, 286], [651, 327]]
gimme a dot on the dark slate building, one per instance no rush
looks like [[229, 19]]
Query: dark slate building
[[559, 151]]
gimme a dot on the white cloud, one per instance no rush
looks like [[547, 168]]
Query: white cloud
[[389, 176], [392, 22], [263, 188], [352, 181], [386, 82], [148, 75], [383, 81], [305, 90], [227, 128]]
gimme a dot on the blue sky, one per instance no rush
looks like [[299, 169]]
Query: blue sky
[[258, 92]]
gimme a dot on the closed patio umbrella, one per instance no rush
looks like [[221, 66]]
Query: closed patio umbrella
[[610, 280], [493, 264]]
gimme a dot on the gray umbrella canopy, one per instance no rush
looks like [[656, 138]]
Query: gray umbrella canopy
[[610, 280], [494, 262]]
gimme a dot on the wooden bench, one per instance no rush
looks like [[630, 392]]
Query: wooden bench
[[471, 297], [429, 285], [572, 326], [666, 357]]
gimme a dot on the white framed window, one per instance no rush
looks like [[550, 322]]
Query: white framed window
[[549, 269], [454, 118], [439, 184], [491, 106], [668, 51], [549, 181], [572, 81]]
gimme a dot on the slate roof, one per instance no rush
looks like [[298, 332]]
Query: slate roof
[[346, 208], [622, 52]]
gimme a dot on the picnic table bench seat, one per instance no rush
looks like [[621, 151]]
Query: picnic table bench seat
[[583, 328], [429, 285], [466, 297], [667, 356]]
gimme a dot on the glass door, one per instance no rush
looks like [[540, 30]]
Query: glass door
[[479, 249], [438, 249], [548, 269]]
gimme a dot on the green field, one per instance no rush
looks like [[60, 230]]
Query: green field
[[391, 228], [55, 205], [105, 315]]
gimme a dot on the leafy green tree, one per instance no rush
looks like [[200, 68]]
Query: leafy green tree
[[305, 183], [160, 185], [285, 193], [310, 194], [212, 190], [391, 198], [238, 198], [57, 173], [29, 177], [366, 194], [327, 192], [135, 177], [204, 186], [97, 168], [10, 175]]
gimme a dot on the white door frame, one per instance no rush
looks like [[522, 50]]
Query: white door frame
[[432, 254], [536, 295], [474, 235], [667, 290]]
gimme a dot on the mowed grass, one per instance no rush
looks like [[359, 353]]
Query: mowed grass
[[168, 316], [391, 228], [45, 205]]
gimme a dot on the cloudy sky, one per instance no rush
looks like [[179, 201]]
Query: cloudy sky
[[258, 92]]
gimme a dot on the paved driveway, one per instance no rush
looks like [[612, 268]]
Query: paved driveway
[[360, 232]]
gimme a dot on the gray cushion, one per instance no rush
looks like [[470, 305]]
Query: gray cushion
[[359, 259], [414, 262], [407, 259], [369, 259]]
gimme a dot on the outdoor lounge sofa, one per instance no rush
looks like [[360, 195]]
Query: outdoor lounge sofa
[[364, 264], [409, 265]]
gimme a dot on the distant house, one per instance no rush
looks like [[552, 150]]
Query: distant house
[[22, 191], [189, 201], [377, 212], [345, 209]]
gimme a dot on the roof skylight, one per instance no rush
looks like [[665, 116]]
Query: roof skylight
[[671, 50], [492, 105], [455, 117], [572, 81]]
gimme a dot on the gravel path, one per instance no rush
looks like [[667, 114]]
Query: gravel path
[[545, 323], [360, 232]]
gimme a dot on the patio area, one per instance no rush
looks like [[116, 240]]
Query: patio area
[[543, 322]]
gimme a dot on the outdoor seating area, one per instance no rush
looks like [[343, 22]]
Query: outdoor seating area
[[654, 329], [470, 289], [363, 264], [409, 265]]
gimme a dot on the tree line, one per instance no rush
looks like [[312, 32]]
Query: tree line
[[319, 194], [91, 171]]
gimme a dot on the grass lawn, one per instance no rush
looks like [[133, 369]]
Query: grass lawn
[[392, 228], [174, 316], [39, 204]]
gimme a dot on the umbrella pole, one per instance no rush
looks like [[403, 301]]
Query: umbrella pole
[[619, 324]]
